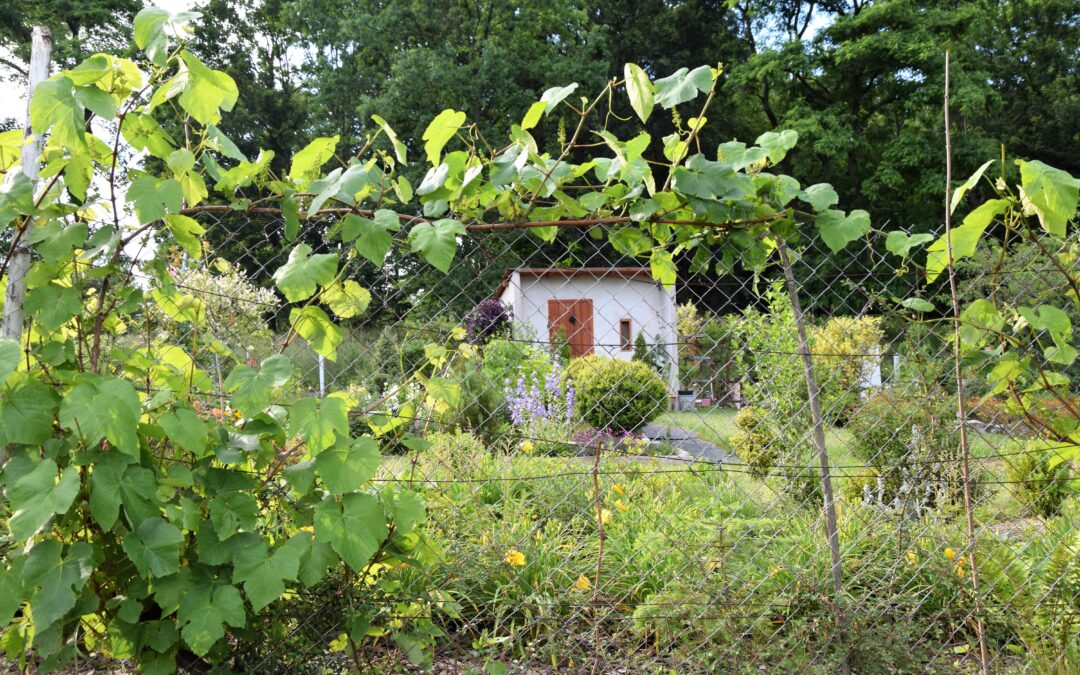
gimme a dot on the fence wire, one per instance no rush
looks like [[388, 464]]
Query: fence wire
[[694, 539]]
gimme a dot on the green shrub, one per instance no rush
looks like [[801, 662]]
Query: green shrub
[[1041, 479], [755, 443], [457, 454], [480, 405], [910, 441], [617, 394]]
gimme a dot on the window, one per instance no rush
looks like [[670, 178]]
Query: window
[[626, 340]]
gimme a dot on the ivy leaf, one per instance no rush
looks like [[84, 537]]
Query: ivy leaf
[[820, 196], [27, 408], [346, 300], [98, 408], [154, 547], [204, 612], [307, 163], [354, 528], [9, 356], [1052, 193], [38, 496], [233, 512], [682, 86], [319, 423], [440, 131], [263, 575], [208, 91], [554, 96], [345, 468], [113, 483], [373, 238], [778, 144], [436, 241], [400, 151], [186, 231], [900, 243], [57, 578], [639, 89], [153, 198], [303, 273], [971, 182], [54, 107], [252, 389], [150, 33], [965, 238], [313, 324], [839, 229]]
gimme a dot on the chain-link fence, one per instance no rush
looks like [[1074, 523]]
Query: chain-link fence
[[622, 477]]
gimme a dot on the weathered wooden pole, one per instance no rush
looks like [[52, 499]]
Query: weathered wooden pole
[[15, 296]]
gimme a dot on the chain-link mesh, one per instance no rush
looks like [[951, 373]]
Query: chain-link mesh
[[578, 519]]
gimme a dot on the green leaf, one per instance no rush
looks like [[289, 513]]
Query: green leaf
[[1047, 318], [208, 91], [263, 575], [1053, 194], [252, 389], [532, 117], [223, 144], [839, 229], [554, 96], [204, 612], [400, 151], [971, 182], [900, 243], [405, 509], [682, 85], [98, 408], [820, 196], [10, 353], [154, 547], [737, 154], [54, 107], [307, 164], [346, 300], [346, 468], [186, 231], [153, 198], [663, 267], [964, 238], [113, 483], [55, 239], [313, 324], [57, 578], [27, 408], [233, 512], [53, 306], [179, 306], [150, 33], [354, 528], [184, 428], [639, 89], [373, 238], [38, 496], [917, 304], [436, 241], [319, 422], [778, 144], [303, 273], [440, 131]]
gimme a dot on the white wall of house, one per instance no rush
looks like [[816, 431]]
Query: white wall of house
[[649, 307]]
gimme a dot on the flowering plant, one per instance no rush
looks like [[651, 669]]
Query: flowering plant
[[488, 319], [543, 412]]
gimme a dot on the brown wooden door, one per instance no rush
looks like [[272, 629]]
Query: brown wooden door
[[576, 318]]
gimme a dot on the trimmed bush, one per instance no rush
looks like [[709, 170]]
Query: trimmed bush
[[617, 395], [1040, 477]]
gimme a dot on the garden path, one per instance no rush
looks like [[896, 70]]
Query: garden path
[[688, 442]]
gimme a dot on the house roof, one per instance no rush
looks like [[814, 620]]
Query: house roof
[[567, 272]]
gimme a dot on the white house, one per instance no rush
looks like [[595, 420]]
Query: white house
[[602, 309]]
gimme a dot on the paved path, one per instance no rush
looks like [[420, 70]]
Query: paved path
[[688, 442]]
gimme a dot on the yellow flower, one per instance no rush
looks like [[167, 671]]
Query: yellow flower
[[527, 447], [582, 583], [777, 569], [950, 554], [619, 505], [912, 558], [605, 516], [514, 558], [617, 489], [307, 528]]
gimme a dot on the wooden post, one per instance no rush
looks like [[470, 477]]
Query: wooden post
[[813, 392], [15, 297], [961, 405]]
